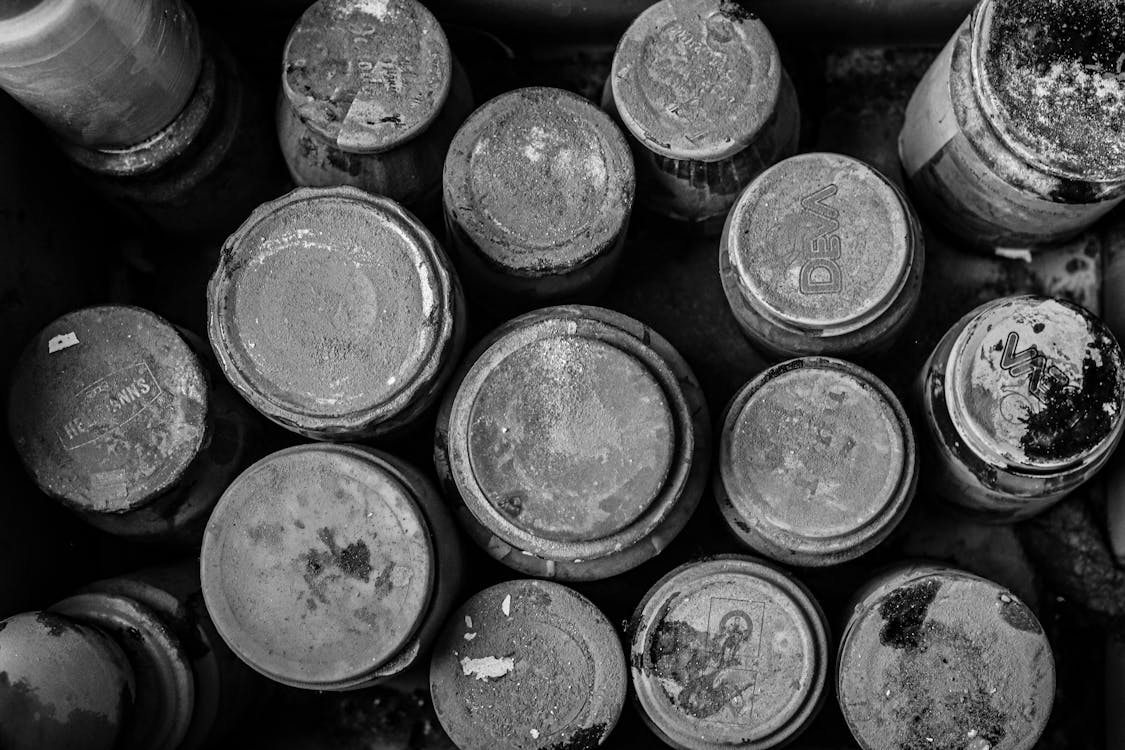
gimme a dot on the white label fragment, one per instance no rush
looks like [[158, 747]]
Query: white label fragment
[[62, 341], [487, 667], [507, 605]]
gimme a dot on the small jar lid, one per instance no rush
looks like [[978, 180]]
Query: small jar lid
[[821, 243], [108, 408], [367, 75], [729, 653], [816, 458], [696, 79], [935, 657], [317, 565], [530, 665], [1049, 76], [1035, 385], [64, 685], [331, 311], [540, 179]]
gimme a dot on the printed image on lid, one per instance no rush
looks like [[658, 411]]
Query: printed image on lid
[[367, 75], [696, 79], [540, 179], [529, 665], [1049, 75], [569, 438], [945, 659], [329, 308], [108, 408], [317, 565], [821, 242], [816, 456], [729, 652], [1037, 384]]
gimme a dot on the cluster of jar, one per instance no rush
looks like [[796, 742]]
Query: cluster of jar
[[573, 442]]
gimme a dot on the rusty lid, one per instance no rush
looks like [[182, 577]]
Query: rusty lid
[[940, 658], [540, 179], [367, 75], [108, 408], [696, 79], [822, 243], [729, 652], [817, 456], [330, 310], [63, 685], [528, 665], [1050, 76], [317, 565], [1036, 385]]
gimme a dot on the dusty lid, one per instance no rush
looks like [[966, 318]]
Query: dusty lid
[[696, 79], [1036, 385], [817, 456], [1050, 76], [729, 652], [317, 565], [330, 308], [62, 685], [367, 75], [528, 665], [108, 408], [945, 659], [822, 243], [540, 179]]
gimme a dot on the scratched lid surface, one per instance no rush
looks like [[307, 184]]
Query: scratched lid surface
[[367, 75], [108, 408], [1036, 383], [317, 565], [941, 658], [329, 308], [821, 242], [1049, 74], [528, 665], [540, 179], [729, 652], [696, 79], [816, 455]]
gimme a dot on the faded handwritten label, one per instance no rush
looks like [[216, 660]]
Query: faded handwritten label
[[107, 404]]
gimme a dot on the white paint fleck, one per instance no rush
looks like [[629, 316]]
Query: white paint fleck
[[470, 636], [506, 605], [534, 734], [487, 667], [468, 621], [62, 341]]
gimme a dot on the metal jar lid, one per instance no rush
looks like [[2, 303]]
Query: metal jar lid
[[696, 79], [332, 311], [728, 653], [108, 408], [318, 565], [65, 685], [540, 180], [367, 75], [1035, 385], [822, 245], [936, 657], [1048, 75], [816, 462], [569, 438], [528, 664]]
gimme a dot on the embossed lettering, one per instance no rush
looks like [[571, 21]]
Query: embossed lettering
[[820, 271]]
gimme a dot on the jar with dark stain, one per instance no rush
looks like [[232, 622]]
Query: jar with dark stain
[[1016, 135], [1022, 403], [335, 313], [330, 567], [936, 657], [528, 664], [575, 441], [114, 414], [816, 462], [701, 90], [64, 685], [538, 189], [371, 97], [728, 652], [821, 254]]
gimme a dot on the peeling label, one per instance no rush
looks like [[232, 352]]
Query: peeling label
[[487, 667], [107, 404]]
